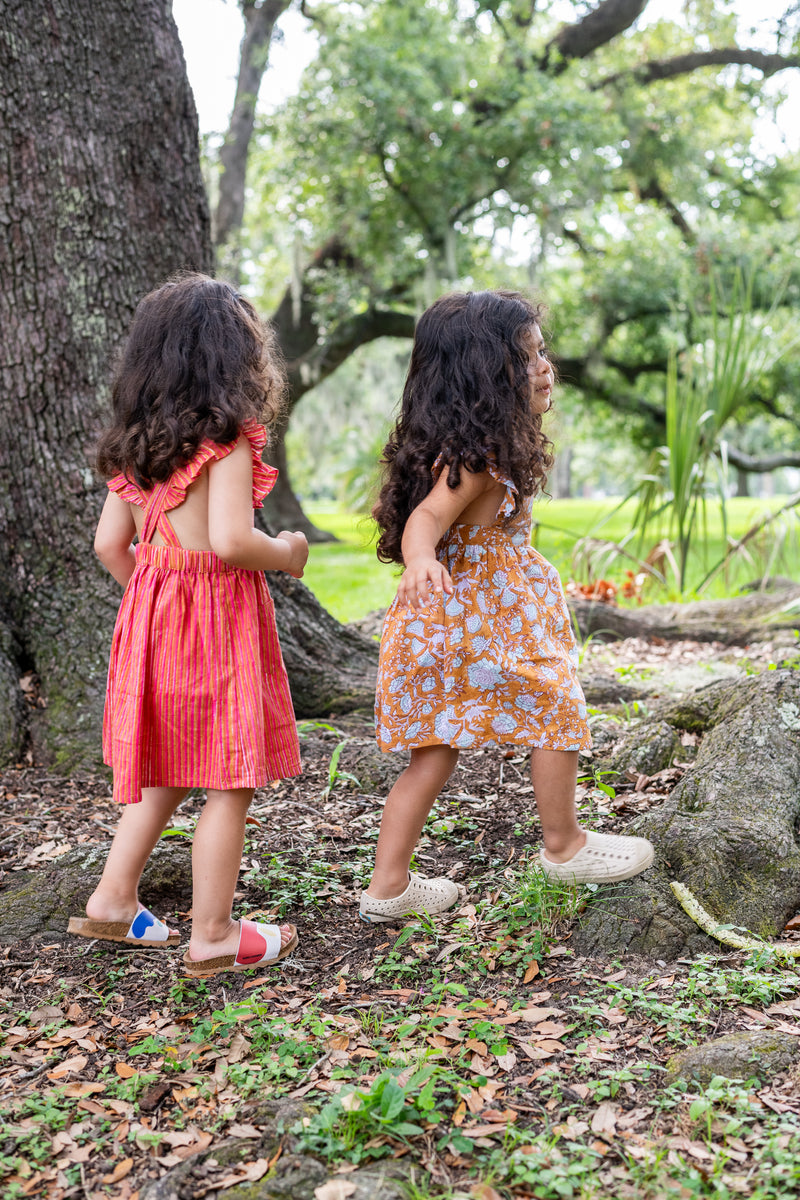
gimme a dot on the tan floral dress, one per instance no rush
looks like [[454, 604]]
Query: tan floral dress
[[495, 662]]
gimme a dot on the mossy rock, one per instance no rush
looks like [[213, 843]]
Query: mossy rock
[[42, 901], [376, 771], [294, 1176], [728, 831], [760, 1054]]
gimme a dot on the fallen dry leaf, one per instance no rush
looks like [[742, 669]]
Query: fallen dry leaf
[[477, 1131], [243, 1131], [536, 1052], [534, 1015], [484, 1191], [696, 1149], [604, 1121], [120, 1171], [334, 1189], [247, 1173], [202, 1142], [83, 1089], [550, 1029], [70, 1066]]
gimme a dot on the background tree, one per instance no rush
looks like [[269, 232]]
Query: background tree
[[259, 25], [102, 198], [610, 164]]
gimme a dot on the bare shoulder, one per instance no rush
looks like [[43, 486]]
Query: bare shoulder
[[471, 483]]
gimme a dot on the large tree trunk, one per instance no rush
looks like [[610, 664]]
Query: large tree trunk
[[728, 830], [102, 198]]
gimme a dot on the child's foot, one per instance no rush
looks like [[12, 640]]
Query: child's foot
[[605, 858], [422, 895], [248, 944], [143, 929]]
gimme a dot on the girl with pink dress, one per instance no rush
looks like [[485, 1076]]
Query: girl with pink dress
[[197, 691], [477, 648]]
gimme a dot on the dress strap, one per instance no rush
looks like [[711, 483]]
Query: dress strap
[[156, 519]]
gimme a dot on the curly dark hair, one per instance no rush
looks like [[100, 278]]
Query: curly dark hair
[[198, 363], [467, 397]]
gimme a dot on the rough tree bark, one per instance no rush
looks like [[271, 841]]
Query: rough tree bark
[[101, 199], [728, 830]]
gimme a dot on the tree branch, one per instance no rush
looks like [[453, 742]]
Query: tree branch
[[320, 362], [757, 466], [577, 373], [259, 25], [654, 191], [683, 64], [597, 28]]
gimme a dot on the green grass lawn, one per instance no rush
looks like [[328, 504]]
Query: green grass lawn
[[350, 582]]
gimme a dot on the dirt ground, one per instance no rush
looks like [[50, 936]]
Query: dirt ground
[[308, 854], [310, 840]]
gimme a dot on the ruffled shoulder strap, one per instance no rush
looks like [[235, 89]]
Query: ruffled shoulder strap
[[264, 476], [181, 480], [507, 506], [509, 499], [127, 490]]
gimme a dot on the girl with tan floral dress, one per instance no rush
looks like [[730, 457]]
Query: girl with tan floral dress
[[477, 647]]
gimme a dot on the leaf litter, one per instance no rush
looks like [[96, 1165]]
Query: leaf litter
[[544, 1065]]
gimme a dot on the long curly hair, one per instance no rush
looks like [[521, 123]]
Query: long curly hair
[[198, 363], [467, 397]]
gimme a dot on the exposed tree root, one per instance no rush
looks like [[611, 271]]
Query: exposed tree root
[[724, 933]]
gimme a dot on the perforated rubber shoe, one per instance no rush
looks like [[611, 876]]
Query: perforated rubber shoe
[[422, 895], [605, 858]]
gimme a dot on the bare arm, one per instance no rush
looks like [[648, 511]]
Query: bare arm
[[114, 537], [231, 534], [425, 528]]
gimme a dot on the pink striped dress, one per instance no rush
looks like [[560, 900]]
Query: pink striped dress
[[197, 691]]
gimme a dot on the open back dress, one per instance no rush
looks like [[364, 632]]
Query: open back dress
[[495, 662], [197, 690]]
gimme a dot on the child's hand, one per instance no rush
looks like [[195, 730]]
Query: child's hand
[[298, 545], [421, 581]]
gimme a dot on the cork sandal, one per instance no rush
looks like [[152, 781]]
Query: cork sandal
[[259, 946], [144, 930]]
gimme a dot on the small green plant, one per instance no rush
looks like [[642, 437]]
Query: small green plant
[[290, 887], [359, 1125], [634, 711], [595, 779], [334, 774], [630, 671]]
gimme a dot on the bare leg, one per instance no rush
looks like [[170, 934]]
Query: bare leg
[[404, 814], [116, 896], [554, 774], [216, 859]]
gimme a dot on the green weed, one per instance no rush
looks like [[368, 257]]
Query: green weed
[[290, 887], [358, 1125]]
